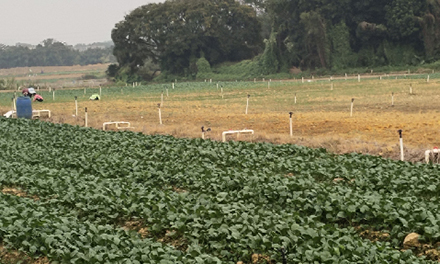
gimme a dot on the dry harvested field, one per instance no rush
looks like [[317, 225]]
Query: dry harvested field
[[24, 72], [321, 116], [55, 76]]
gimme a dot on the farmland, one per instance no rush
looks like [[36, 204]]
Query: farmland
[[321, 116], [90, 196], [161, 194]]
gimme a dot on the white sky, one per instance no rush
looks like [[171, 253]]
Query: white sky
[[70, 21]]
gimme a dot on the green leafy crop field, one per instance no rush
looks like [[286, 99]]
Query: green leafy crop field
[[89, 196]]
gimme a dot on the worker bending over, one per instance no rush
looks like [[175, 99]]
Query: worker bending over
[[38, 98]]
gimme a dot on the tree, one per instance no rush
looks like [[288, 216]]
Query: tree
[[373, 31], [175, 33]]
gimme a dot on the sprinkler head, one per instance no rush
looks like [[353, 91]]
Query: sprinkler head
[[352, 100], [400, 132], [290, 113], [76, 97], [249, 95], [158, 105]]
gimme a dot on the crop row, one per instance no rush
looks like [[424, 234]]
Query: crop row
[[233, 228], [240, 198]]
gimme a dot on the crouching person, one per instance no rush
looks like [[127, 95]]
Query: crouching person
[[38, 98]]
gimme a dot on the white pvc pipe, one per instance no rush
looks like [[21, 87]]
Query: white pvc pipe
[[247, 105], [167, 92], [105, 124], [291, 130], [401, 149], [161, 99], [100, 90], [351, 108], [359, 78], [53, 95], [238, 132], [173, 85], [76, 107], [221, 89], [85, 118], [160, 117]]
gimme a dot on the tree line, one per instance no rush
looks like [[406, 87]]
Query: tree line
[[277, 34], [52, 53]]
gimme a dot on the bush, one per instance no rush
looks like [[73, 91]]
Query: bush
[[89, 77]]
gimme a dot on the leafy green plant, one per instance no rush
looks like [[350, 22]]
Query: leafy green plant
[[237, 199]]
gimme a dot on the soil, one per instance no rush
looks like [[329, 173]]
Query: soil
[[367, 132]]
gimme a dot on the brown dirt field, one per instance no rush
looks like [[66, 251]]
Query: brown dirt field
[[50, 70], [321, 117], [63, 75], [8, 256], [369, 133]]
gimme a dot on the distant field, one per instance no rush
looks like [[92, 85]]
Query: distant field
[[55, 76], [321, 116]]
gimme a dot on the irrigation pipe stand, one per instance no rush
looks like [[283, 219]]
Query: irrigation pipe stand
[[117, 123], [238, 132], [291, 130], [401, 144]]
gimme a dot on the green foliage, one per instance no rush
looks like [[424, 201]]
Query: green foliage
[[8, 84], [51, 53], [401, 20], [400, 54], [341, 55], [269, 62], [112, 70], [89, 77], [203, 66], [174, 33], [346, 33], [239, 198]]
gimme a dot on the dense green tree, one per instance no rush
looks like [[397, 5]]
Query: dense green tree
[[51, 53], [316, 33], [175, 33]]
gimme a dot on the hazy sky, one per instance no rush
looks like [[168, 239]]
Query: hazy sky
[[71, 21]]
